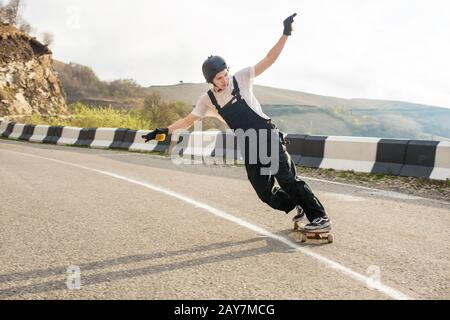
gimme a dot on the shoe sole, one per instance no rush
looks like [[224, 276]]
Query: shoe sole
[[321, 228]]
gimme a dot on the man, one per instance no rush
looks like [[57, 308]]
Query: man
[[232, 101]]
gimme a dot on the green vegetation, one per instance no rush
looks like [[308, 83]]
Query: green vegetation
[[379, 176], [81, 82], [92, 117], [162, 113], [154, 113]]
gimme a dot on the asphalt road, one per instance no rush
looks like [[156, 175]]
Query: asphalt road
[[140, 227]]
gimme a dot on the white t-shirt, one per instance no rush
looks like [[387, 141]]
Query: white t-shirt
[[244, 78]]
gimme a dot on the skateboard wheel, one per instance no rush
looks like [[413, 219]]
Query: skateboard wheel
[[295, 226], [330, 238], [304, 238]]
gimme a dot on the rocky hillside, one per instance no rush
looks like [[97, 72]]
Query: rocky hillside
[[28, 83]]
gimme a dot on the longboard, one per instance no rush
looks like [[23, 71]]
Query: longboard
[[323, 234]]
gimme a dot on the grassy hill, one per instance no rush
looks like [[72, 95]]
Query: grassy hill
[[427, 123], [300, 112]]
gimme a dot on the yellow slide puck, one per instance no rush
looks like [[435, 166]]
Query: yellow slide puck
[[160, 137]]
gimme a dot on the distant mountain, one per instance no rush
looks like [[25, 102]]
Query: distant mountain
[[293, 111], [189, 93], [300, 112]]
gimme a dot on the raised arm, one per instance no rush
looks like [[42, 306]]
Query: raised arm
[[274, 53]]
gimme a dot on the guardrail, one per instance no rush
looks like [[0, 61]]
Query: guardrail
[[417, 158]]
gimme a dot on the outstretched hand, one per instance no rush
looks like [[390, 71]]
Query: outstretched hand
[[288, 25]]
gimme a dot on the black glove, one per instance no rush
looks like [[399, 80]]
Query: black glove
[[152, 134], [288, 25]]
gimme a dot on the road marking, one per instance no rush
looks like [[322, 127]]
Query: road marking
[[391, 292], [353, 186], [389, 194], [343, 197]]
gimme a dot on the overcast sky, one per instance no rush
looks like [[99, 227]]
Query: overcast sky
[[379, 49]]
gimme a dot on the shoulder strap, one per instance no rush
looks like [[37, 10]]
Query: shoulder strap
[[236, 92], [213, 100]]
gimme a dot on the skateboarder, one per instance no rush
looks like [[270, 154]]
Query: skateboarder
[[231, 99]]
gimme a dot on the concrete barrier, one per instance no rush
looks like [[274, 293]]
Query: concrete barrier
[[39, 133], [3, 127], [104, 137], [419, 159], [9, 126], [349, 153], [391, 154], [86, 137], [54, 133], [201, 143], [128, 140], [69, 136], [295, 144], [312, 152], [28, 132], [441, 170], [119, 138], [16, 131], [138, 144]]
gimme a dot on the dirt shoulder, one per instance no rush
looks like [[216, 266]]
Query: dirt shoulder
[[421, 187]]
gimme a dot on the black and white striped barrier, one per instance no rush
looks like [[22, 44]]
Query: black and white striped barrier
[[6, 128], [206, 146], [349, 153], [441, 166], [69, 136], [39, 133], [430, 159], [411, 158]]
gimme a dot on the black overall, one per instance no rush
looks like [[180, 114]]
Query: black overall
[[294, 191]]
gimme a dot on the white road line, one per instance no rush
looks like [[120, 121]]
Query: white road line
[[391, 292], [358, 187], [389, 194], [343, 197]]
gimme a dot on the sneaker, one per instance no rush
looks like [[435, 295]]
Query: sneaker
[[318, 224], [300, 216]]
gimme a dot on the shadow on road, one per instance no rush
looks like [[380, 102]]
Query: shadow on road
[[269, 245]]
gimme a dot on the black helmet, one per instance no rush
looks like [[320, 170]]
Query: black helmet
[[212, 66]]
